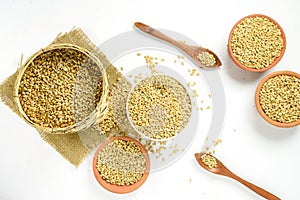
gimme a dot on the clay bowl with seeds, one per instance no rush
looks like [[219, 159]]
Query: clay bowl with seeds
[[121, 164], [256, 43], [277, 99], [158, 107], [62, 89]]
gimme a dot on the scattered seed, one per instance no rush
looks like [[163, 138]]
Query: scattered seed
[[195, 93], [192, 72], [217, 142]]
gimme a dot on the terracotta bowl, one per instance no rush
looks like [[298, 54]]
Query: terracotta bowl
[[237, 62], [257, 102], [116, 188]]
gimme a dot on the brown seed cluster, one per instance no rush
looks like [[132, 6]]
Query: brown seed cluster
[[156, 107], [121, 163], [60, 87], [209, 161], [206, 58], [151, 62], [193, 72], [280, 98], [256, 42]]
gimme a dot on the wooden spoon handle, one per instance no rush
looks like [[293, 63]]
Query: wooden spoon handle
[[155, 33], [254, 188]]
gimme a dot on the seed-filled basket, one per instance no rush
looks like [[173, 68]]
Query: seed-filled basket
[[62, 88]]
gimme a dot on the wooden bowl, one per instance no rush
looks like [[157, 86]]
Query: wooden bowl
[[126, 188], [257, 101], [238, 63]]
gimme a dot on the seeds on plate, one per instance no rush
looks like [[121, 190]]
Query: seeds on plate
[[206, 58], [219, 141], [191, 84], [60, 87], [256, 42], [209, 161], [280, 98], [121, 163], [193, 72], [159, 107], [150, 63]]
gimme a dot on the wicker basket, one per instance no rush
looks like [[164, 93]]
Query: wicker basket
[[94, 117]]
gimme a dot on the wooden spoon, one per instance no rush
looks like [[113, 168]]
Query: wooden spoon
[[222, 170], [192, 51]]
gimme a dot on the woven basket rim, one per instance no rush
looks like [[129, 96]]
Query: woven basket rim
[[95, 116]]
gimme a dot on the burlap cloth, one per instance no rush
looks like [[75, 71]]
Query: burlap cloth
[[74, 147]]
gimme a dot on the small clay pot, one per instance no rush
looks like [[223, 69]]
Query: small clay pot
[[116, 188], [237, 62], [257, 101]]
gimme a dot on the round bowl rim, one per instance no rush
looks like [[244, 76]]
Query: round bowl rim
[[257, 101], [235, 60], [126, 188]]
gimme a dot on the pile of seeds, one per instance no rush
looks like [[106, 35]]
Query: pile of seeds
[[159, 107], [121, 163], [206, 58], [209, 161], [60, 88], [256, 42], [280, 98]]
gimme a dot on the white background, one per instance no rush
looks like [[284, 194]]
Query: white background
[[255, 150]]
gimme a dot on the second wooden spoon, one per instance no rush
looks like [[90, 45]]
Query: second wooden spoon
[[207, 57], [222, 170]]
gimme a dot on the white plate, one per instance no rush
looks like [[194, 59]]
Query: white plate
[[122, 51]]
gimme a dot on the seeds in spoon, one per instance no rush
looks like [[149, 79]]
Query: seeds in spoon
[[209, 161], [206, 58]]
